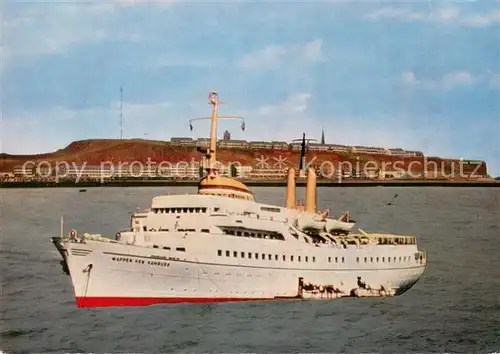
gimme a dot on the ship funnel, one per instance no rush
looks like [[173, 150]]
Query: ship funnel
[[311, 191], [290, 190]]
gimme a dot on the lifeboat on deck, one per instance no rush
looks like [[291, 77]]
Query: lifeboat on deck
[[343, 225]]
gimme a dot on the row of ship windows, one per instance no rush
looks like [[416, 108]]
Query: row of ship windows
[[269, 257], [272, 236], [145, 228], [140, 261], [204, 209], [231, 195], [179, 249], [377, 259], [179, 210]]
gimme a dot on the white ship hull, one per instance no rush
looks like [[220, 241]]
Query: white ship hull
[[110, 274]]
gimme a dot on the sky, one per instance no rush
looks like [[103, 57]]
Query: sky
[[420, 75]]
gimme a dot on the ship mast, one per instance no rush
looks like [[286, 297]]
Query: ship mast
[[213, 99]]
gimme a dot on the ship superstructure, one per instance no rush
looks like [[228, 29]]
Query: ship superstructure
[[222, 245]]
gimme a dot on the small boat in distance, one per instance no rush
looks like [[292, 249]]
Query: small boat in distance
[[82, 190], [220, 245]]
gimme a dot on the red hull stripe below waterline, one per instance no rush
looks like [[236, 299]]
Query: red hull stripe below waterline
[[146, 301]]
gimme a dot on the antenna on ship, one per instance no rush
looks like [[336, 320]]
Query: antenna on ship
[[121, 112], [213, 99], [302, 161]]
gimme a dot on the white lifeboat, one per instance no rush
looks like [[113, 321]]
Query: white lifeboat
[[308, 221], [343, 224], [333, 225]]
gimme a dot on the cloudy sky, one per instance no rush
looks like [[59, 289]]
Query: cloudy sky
[[420, 75]]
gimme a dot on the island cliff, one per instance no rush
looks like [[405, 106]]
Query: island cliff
[[95, 151]]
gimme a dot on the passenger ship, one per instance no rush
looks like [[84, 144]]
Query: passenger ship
[[222, 245]]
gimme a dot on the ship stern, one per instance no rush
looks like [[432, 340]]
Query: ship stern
[[421, 257]]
